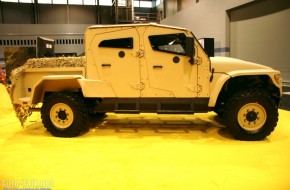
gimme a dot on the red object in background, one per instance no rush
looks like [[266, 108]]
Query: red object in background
[[2, 74], [3, 78]]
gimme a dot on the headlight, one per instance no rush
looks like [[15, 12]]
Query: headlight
[[278, 78]]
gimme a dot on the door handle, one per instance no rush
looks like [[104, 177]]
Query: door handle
[[157, 66], [106, 65]]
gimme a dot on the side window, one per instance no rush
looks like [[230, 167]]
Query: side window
[[171, 43], [117, 43]]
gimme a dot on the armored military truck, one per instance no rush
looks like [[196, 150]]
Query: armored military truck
[[153, 68]]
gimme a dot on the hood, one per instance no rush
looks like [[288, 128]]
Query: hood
[[227, 64]]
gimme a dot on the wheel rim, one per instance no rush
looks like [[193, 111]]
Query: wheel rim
[[61, 115], [252, 117]]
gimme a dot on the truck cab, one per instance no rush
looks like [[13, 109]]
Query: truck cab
[[151, 67]]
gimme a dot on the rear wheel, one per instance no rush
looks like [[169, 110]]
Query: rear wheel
[[251, 114], [64, 114]]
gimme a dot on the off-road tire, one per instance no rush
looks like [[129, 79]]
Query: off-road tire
[[251, 114], [64, 114]]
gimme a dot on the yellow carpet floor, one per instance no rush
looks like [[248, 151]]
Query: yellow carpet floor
[[146, 151]]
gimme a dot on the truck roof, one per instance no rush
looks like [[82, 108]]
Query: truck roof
[[136, 25]]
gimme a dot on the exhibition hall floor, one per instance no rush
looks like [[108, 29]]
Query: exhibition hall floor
[[146, 151]]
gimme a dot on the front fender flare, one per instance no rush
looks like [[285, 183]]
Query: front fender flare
[[219, 79]]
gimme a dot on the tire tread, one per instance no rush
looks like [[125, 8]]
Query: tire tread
[[251, 95], [80, 113]]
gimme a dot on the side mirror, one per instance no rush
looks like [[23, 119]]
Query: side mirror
[[189, 49]]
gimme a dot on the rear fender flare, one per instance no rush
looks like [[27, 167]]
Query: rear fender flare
[[54, 83]]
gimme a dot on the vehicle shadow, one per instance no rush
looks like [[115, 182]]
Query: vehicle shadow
[[165, 126], [199, 126]]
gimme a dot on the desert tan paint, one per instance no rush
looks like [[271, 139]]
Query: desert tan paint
[[135, 75]]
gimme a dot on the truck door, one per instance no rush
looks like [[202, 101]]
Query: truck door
[[169, 72], [114, 52]]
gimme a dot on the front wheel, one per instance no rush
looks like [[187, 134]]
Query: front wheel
[[64, 114], [251, 115]]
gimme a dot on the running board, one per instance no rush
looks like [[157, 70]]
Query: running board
[[158, 111], [174, 112]]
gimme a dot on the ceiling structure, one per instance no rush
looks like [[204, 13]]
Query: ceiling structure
[[78, 11]]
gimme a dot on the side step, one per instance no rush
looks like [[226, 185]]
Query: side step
[[127, 111], [158, 111], [175, 112], [153, 105]]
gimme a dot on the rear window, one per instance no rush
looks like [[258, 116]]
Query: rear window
[[118, 43]]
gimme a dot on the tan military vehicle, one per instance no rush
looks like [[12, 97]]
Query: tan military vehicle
[[149, 68]]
